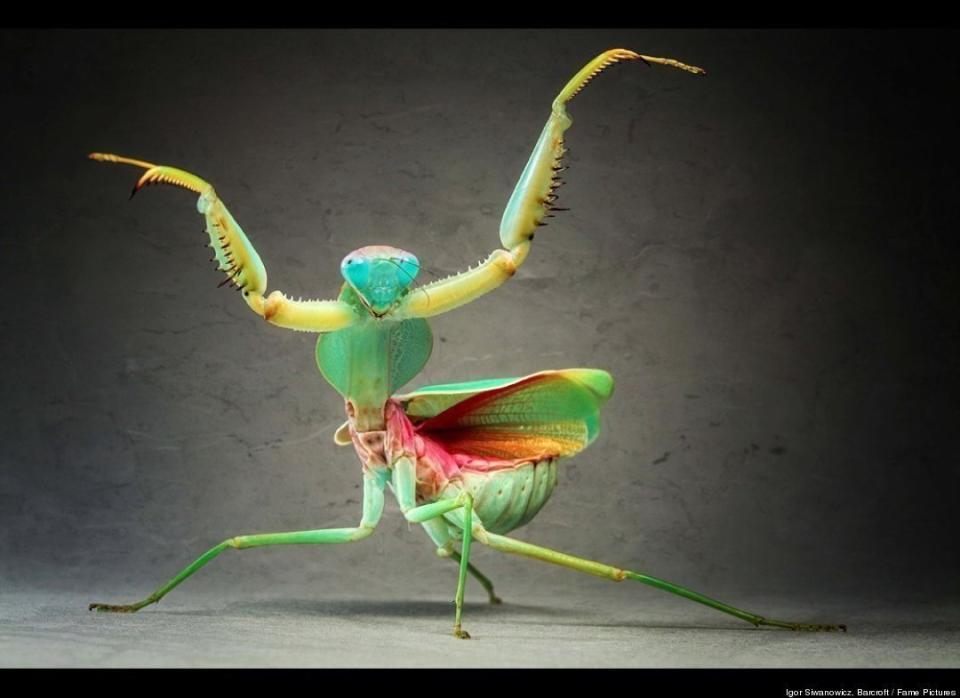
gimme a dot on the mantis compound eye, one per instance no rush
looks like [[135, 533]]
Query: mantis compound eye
[[380, 275]]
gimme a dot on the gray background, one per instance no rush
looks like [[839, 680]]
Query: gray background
[[762, 257]]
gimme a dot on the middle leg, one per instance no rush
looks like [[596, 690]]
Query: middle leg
[[405, 489], [372, 509]]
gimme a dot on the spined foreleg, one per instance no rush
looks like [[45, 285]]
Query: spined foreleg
[[237, 258], [532, 202]]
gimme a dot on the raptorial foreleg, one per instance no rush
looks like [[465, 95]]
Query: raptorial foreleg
[[236, 256], [534, 199]]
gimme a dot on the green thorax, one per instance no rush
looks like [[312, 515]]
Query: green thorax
[[370, 360]]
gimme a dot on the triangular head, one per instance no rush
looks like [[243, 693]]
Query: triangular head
[[380, 276]]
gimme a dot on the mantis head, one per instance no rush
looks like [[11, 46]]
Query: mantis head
[[380, 275]]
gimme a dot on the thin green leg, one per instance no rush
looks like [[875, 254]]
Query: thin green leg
[[464, 563], [436, 509], [511, 545], [437, 529], [404, 487], [480, 577], [372, 509]]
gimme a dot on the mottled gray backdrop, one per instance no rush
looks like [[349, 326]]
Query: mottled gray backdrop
[[762, 257]]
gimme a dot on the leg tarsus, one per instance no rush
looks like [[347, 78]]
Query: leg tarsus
[[121, 608], [460, 633], [804, 627]]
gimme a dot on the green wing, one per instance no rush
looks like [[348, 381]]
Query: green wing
[[553, 413]]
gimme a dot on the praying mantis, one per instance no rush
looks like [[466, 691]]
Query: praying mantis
[[468, 461]]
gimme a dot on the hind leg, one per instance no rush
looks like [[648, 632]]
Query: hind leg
[[517, 547], [480, 577], [439, 533]]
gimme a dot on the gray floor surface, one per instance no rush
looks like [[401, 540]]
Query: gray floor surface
[[45, 629]]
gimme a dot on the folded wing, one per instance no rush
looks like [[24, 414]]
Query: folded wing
[[543, 415]]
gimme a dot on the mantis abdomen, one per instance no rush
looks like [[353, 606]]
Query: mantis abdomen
[[507, 499]]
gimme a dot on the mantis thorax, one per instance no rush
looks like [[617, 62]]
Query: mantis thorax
[[370, 360]]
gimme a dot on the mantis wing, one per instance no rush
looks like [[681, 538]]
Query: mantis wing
[[550, 413]]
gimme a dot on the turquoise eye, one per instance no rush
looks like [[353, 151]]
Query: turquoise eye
[[356, 270], [409, 268]]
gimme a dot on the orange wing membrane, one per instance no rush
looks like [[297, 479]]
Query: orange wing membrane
[[546, 414]]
